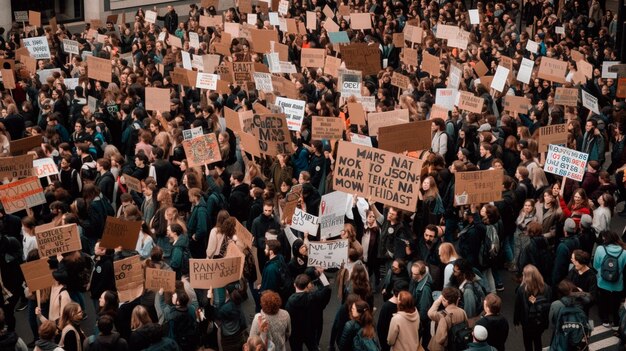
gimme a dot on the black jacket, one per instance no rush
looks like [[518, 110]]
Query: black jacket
[[103, 277], [101, 342], [498, 330], [301, 307], [106, 182], [239, 202]]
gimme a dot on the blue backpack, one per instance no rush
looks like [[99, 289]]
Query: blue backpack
[[365, 344], [572, 330]]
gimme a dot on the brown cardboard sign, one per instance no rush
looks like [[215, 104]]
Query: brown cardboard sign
[[30, 63], [21, 194], [16, 167], [202, 150], [387, 177], [471, 103], [214, 273], [405, 137], [242, 72], [250, 143], [552, 69], [132, 183], [128, 278], [553, 134], [37, 274], [21, 146], [120, 232], [518, 104], [621, 88], [330, 128], [360, 21], [566, 96], [58, 240], [99, 69], [261, 39], [157, 99], [362, 57], [272, 133], [376, 120], [312, 57], [410, 57], [157, 279], [398, 40], [400, 80], [8, 78], [480, 68], [288, 209], [332, 65], [243, 235], [430, 64], [34, 18], [478, 187], [437, 111], [357, 113]]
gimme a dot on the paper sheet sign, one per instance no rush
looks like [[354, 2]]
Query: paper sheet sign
[[590, 102], [304, 222], [294, 110], [385, 176], [129, 278], [332, 213], [71, 47], [22, 194], [566, 162], [120, 232], [160, 279], [202, 150], [16, 167], [37, 274], [329, 254], [214, 273], [478, 187], [37, 47], [58, 240]]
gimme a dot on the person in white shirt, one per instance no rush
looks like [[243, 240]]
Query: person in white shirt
[[28, 233]]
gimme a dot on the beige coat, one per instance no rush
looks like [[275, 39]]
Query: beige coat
[[453, 314], [404, 332]]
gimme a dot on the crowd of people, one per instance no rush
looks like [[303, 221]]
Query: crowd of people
[[439, 268]]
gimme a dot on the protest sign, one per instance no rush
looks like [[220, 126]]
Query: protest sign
[[445, 31], [474, 16], [606, 71], [157, 99], [398, 40], [8, 78], [57, 240], [311, 20], [37, 47], [287, 209], [360, 21], [192, 133], [214, 273], [99, 69], [37, 274], [437, 111], [621, 88], [263, 82], [243, 235], [590, 102], [430, 64], [132, 183], [357, 113], [412, 33], [446, 98], [566, 162], [327, 128], [532, 46], [294, 111], [328, 254], [525, 70], [407, 136], [332, 213], [71, 83], [331, 65], [157, 279], [566, 96], [239, 121], [16, 167], [128, 278], [202, 150], [553, 134], [242, 72], [23, 145], [350, 83], [20, 16], [552, 69], [194, 40], [21, 194], [400, 80], [359, 139], [30, 63], [480, 68], [34, 18], [586, 68], [339, 37], [120, 232], [471, 103], [207, 81], [362, 57], [304, 222], [150, 16], [499, 79], [478, 187], [387, 177], [312, 57], [517, 104], [71, 47], [385, 119]]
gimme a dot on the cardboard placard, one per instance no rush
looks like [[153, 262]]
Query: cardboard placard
[[8, 78], [272, 133], [360, 21], [438, 111], [471, 103], [157, 279], [250, 143], [242, 72], [287, 210], [398, 40], [128, 278], [16, 167], [20, 16], [430, 64], [389, 178], [311, 20], [332, 65], [407, 136], [243, 235], [132, 183], [58, 240], [330, 128], [21, 194], [151, 16], [328, 254], [566, 162], [211, 21], [400, 80], [202, 150], [621, 88], [413, 33], [99, 69], [518, 104], [238, 121], [214, 273], [362, 57], [553, 134], [357, 113], [552, 69], [37, 274], [376, 120], [478, 187], [21, 146], [34, 18], [410, 57], [312, 57], [261, 39], [29, 63], [157, 99], [120, 232], [586, 68], [566, 96]]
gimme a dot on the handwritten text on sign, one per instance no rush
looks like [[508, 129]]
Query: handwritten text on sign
[[160, 279], [566, 162], [58, 240], [128, 278], [385, 176], [329, 254], [214, 273], [478, 187], [37, 47], [304, 222], [22, 194]]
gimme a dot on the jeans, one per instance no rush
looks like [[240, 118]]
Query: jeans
[[32, 318]]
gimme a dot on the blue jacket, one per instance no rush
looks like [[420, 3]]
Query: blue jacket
[[271, 274], [198, 222], [563, 256], [615, 251]]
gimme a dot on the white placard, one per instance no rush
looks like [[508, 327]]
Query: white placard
[[71, 46], [194, 40], [189, 134], [525, 70], [274, 19], [332, 210], [71, 83], [151, 16], [474, 16], [456, 74], [207, 81], [328, 254], [559, 30], [45, 167], [294, 109], [45, 73], [368, 102], [304, 222], [499, 79], [92, 103], [590, 102], [263, 82], [252, 18], [566, 162], [187, 60], [446, 98], [283, 7], [359, 139], [605, 69], [37, 47], [532, 46]]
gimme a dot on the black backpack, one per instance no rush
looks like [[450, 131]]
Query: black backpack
[[538, 313], [285, 287], [489, 248], [450, 150], [184, 330], [459, 335], [610, 270], [572, 330]]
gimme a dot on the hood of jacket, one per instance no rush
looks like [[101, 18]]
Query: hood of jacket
[[613, 249], [46, 345], [411, 317], [108, 340]]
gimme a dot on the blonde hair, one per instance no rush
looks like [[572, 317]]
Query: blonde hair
[[446, 251], [139, 317], [69, 315], [532, 280]]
